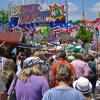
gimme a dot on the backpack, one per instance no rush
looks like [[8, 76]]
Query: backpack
[[92, 73]]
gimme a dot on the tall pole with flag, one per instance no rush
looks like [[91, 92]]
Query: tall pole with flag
[[9, 8], [83, 8], [23, 2], [66, 2]]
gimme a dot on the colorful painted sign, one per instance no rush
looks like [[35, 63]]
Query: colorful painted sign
[[26, 13], [15, 10], [57, 12]]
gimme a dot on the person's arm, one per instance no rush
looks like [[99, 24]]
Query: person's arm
[[11, 88], [53, 74], [8, 98], [86, 70], [53, 70], [2, 84]]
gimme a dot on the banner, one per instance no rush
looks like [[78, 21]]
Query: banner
[[57, 12], [29, 13], [15, 11], [26, 13]]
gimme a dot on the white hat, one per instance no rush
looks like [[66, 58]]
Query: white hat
[[59, 48], [83, 85]]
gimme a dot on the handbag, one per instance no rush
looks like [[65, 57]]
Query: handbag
[[13, 92]]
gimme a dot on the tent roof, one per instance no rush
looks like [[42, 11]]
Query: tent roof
[[11, 37]]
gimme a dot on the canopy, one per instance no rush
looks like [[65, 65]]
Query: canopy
[[11, 37]]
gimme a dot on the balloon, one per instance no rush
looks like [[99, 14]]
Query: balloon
[[37, 29]]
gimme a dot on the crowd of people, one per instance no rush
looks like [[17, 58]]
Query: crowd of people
[[47, 75]]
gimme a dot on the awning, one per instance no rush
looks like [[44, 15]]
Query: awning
[[11, 37]]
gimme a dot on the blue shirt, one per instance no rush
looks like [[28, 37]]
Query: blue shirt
[[63, 94]]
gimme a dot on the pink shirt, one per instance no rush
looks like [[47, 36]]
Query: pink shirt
[[2, 62], [81, 67]]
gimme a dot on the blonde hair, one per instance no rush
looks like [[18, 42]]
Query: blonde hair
[[25, 74], [6, 75], [9, 65]]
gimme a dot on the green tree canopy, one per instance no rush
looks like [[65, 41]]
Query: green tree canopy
[[84, 34], [4, 16]]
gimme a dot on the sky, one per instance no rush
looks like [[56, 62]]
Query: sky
[[74, 6]]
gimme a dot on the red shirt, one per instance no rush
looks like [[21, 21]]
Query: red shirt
[[55, 65]]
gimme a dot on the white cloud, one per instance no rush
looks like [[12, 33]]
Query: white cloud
[[96, 7], [72, 7], [44, 7], [74, 17]]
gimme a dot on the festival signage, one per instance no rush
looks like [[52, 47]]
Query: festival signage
[[26, 13], [57, 12], [15, 10]]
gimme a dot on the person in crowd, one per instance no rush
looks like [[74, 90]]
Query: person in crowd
[[2, 58], [19, 61], [3, 95], [61, 60], [97, 92], [98, 67], [2, 84], [81, 67], [70, 58], [8, 73], [93, 73], [63, 91], [30, 84], [83, 85]]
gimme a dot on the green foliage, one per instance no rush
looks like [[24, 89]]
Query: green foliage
[[4, 16], [74, 23], [70, 21], [84, 34], [48, 30], [77, 22]]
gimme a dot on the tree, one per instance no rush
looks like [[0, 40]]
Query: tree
[[77, 22], [84, 34], [4, 16], [48, 30]]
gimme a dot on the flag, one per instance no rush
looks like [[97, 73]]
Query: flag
[[96, 24], [56, 29]]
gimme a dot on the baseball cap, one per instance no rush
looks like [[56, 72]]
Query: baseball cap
[[31, 61]]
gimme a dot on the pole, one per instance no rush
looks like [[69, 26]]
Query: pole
[[23, 2], [10, 7], [66, 2], [83, 7], [2, 44]]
